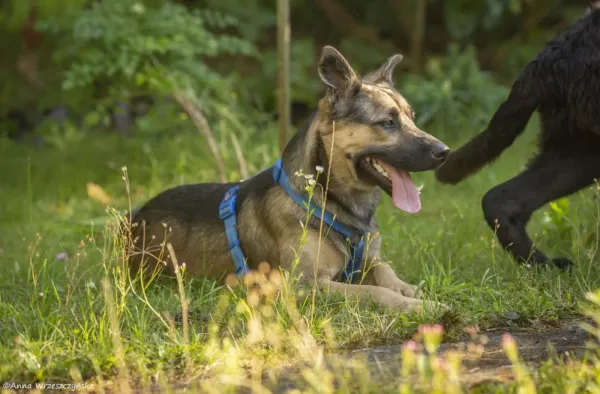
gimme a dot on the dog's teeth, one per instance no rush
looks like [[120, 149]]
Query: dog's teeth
[[375, 164]]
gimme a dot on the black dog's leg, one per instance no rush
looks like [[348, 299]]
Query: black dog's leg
[[508, 207]]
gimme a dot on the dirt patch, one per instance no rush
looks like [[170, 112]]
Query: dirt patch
[[491, 364]]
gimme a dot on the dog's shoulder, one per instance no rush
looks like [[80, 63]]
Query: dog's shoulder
[[257, 186]]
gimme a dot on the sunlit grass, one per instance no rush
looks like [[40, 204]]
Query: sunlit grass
[[61, 267]]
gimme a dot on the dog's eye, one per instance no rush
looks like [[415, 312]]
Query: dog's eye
[[388, 124]]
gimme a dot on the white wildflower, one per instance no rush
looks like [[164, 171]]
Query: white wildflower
[[312, 182], [320, 169]]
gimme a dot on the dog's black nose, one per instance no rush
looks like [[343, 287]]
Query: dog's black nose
[[440, 151]]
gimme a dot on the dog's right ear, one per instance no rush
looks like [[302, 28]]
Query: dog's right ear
[[335, 71], [591, 7], [385, 73]]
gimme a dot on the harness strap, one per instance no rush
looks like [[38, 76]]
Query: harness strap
[[281, 177], [357, 249], [228, 215], [357, 253]]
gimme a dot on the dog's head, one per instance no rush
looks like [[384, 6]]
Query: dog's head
[[369, 128]]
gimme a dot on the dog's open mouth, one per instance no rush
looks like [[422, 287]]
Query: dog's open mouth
[[395, 182]]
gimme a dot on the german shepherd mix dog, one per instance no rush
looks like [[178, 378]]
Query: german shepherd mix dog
[[361, 139], [563, 83]]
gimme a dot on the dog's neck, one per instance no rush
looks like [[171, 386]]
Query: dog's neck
[[306, 152]]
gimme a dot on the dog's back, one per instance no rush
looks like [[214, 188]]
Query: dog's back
[[195, 221], [157, 223]]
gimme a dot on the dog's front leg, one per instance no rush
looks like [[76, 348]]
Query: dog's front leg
[[381, 274], [384, 297], [324, 263]]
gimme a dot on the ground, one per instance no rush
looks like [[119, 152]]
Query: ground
[[486, 363], [55, 249], [492, 365]]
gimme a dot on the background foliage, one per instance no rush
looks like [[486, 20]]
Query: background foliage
[[113, 64]]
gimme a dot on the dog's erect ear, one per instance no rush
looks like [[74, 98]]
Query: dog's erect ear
[[335, 71], [385, 73], [591, 7]]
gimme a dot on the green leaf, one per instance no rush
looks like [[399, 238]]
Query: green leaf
[[91, 119]]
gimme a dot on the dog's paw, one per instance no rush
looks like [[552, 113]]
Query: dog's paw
[[446, 173], [432, 306], [410, 291], [407, 305], [418, 290], [563, 263]]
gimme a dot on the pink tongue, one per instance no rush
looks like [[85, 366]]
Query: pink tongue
[[404, 193]]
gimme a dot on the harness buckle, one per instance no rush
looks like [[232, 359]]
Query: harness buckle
[[227, 206], [226, 209]]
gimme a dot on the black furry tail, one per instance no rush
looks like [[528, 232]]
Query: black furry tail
[[505, 126]]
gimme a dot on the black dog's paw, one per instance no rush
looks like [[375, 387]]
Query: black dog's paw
[[449, 172], [564, 264]]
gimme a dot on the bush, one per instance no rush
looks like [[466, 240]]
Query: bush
[[454, 95], [119, 49]]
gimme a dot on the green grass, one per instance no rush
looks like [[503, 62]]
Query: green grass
[[54, 324]]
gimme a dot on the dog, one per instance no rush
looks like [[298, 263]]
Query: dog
[[361, 139], [562, 83]]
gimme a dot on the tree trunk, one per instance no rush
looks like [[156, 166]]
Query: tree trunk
[[201, 123], [418, 35], [283, 71]]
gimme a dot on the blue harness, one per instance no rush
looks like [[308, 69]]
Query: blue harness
[[228, 215]]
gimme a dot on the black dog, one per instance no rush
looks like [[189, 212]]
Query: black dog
[[563, 84]]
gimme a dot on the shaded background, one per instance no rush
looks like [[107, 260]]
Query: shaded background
[[72, 66]]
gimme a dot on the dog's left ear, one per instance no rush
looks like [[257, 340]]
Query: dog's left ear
[[336, 72], [385, 73]]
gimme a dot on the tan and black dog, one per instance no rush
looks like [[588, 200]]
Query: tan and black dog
[[363, 139]]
